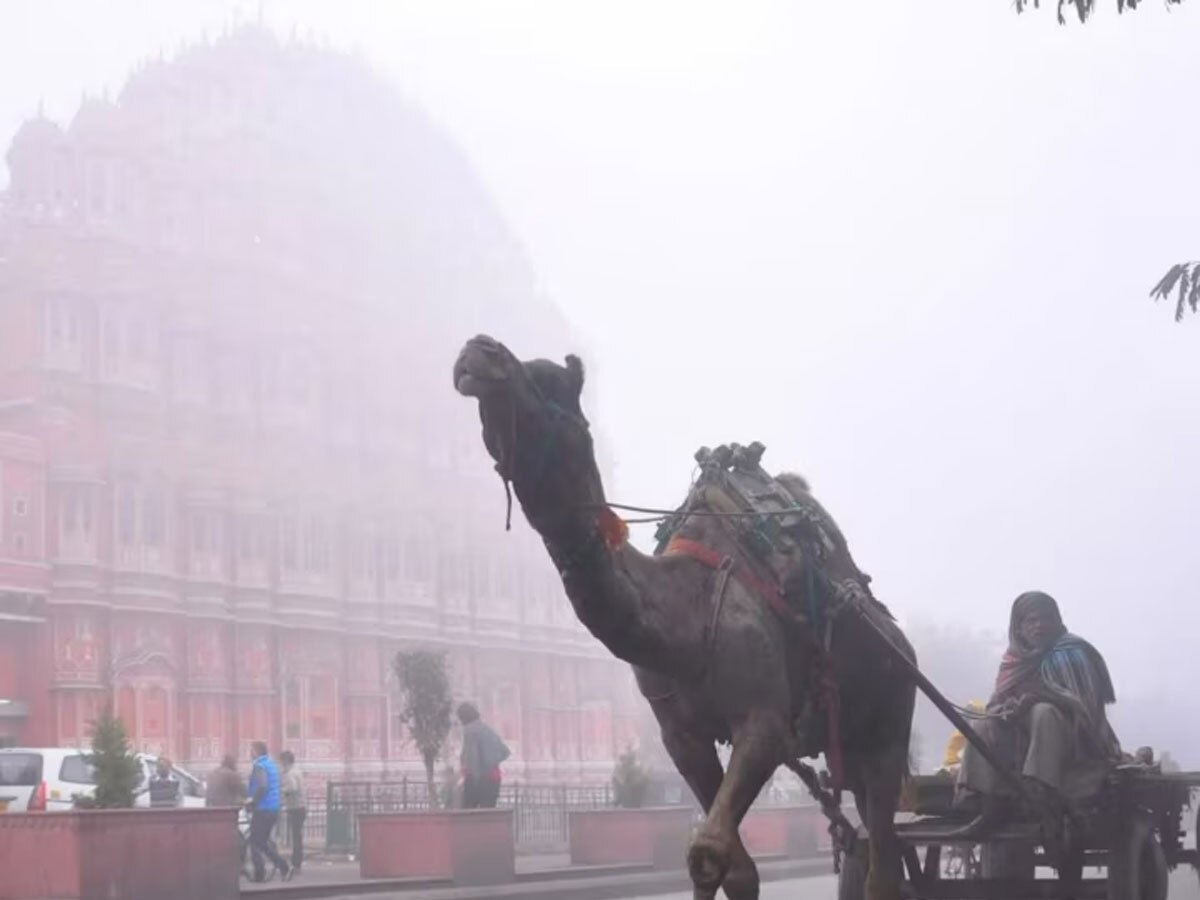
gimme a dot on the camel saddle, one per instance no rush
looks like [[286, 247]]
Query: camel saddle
[[781, 531]]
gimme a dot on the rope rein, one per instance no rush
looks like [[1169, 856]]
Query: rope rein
[[657, 515]]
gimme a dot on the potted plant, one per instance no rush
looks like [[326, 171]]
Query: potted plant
[[792, 830], [114, 767], [630, 833], [104, 848], [464, 846], [783, 822]]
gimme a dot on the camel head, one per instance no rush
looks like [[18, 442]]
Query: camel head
[[533, 427]]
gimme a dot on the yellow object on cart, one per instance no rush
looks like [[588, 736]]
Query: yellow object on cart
[[956, 744]]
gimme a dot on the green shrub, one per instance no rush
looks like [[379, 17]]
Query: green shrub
[[630, 781]]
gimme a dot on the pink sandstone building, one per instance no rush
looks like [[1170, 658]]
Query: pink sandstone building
[[234, 478]]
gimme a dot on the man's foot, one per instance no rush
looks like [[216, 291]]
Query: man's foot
[[993, 816], [287, 873]]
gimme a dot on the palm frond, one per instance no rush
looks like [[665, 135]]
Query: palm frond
[[1183, 281], [1084, 8]]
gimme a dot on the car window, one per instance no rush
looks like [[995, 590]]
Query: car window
[[77, 770], [20, 769]]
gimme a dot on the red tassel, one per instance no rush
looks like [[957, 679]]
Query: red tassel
[[613, 528]]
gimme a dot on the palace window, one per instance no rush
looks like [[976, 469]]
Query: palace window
[[253, 552], [142, 522], [321, 713], [454, 582], [365, 726], [129, 347], [206, 542], [292, 714], [207, 726], [367, 550], [76, 522], [310, 708], [255, 715], [305, 554], [417, 552], [154, 714], [63, 334]]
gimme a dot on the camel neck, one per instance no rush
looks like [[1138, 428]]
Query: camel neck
[[641, 608]]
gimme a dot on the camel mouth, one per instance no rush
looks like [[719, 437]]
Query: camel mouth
[[483, 368], [474, 386]]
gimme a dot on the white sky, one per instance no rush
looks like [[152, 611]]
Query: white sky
[[905, 244]]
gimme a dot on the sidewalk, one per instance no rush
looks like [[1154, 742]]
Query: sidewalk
[[547, 882], [321, 870]]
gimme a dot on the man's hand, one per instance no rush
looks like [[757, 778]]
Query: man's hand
[[1015, 707], [1024, 704]]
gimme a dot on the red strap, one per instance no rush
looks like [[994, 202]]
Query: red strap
[[680, 546]]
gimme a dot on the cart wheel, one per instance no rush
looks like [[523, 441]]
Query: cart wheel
[[1007, 859], [1196, 838], [1137, 864], [852, 880]]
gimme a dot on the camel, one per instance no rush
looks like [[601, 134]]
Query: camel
[[730, 671]]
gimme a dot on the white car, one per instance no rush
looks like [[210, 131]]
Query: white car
[[47, 779]]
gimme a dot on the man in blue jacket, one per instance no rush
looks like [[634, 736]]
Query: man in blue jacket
[[264, 803]]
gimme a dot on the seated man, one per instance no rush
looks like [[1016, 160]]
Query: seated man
[[1046, 715], [164, 787]]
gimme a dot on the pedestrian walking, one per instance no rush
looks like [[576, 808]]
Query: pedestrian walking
[[295, 806], [482, 753], [265, 803], [224, 786]]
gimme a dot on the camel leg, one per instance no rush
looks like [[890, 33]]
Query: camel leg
[[758, 748], [883, 778], [697, 761]]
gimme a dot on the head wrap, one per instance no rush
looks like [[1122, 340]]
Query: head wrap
[[1022, 662]]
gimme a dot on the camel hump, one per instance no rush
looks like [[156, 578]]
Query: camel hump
[[794, 484], [775, 518]]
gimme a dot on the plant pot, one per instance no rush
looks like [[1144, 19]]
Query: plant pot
[[467, 846], [134, 854], [655, 836], [791, 831]]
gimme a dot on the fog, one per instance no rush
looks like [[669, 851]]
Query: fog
[[906, 245]]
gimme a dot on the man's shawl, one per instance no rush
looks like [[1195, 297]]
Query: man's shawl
[[1069, 672]]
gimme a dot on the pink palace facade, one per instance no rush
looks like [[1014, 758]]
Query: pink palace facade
[[234, 480]]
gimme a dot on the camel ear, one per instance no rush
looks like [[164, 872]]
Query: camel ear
[[575, 372]]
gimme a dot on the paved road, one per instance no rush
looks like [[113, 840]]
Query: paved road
[[823, 887], [1184, 886]]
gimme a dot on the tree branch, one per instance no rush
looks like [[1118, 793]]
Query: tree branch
[[1084, 8], [1182, 280]]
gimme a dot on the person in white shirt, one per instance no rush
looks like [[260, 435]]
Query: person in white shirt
[[295, 805]]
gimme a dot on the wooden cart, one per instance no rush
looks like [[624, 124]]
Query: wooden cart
[[1118, 845]]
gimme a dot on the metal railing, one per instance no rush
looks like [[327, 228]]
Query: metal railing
[[315, 823], [539, 811]]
